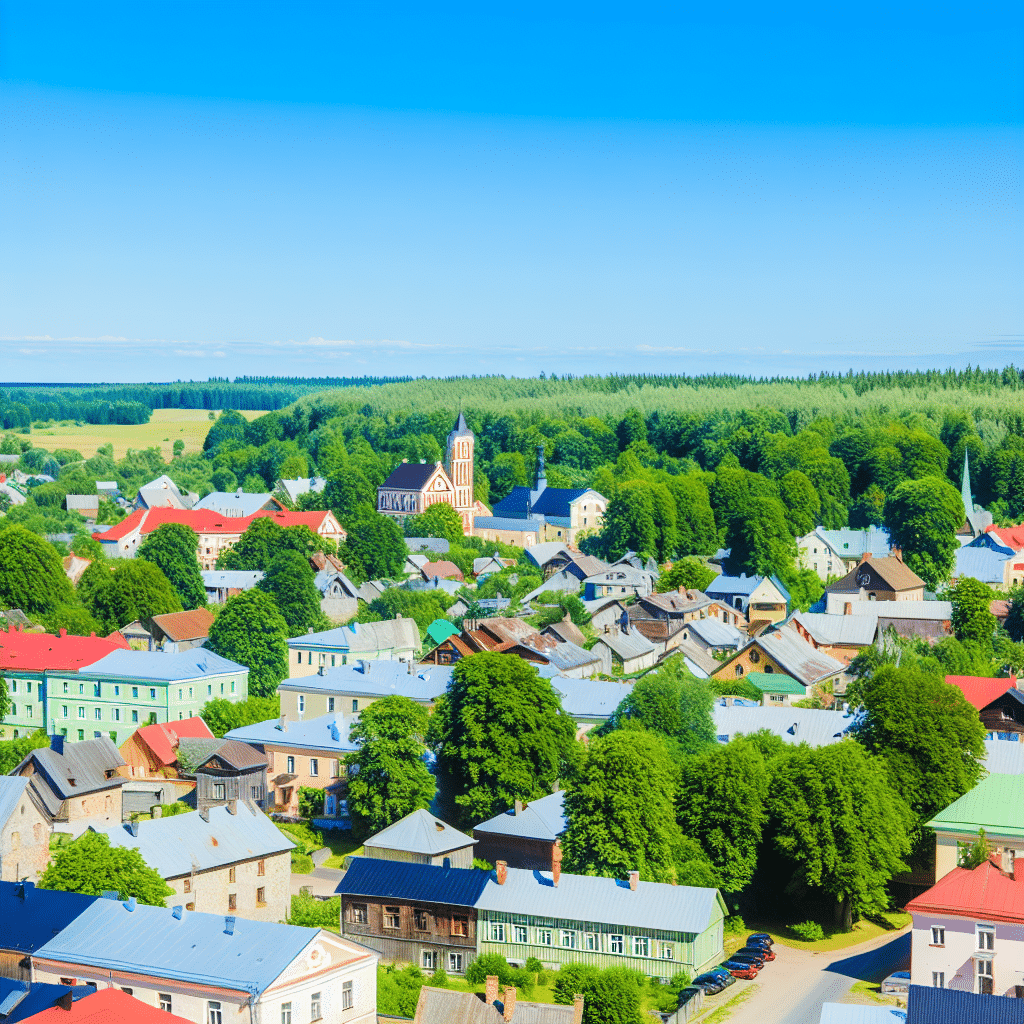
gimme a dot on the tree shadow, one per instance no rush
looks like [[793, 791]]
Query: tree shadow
[[875, 963]]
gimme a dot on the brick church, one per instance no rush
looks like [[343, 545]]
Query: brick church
[[414, 486]]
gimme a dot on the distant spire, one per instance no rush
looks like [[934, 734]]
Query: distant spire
[[965, 487]]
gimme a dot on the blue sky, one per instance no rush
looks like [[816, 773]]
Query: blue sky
[[197, 189]]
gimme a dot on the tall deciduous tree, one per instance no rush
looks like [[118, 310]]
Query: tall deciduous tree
[[375, 547], [289, 580], [971, 618], [929, 736], [224, 715], [1015, 618], [387, 776], [264, 539], [251, 631], [121, 591], [619, 807], [922, 517], [835, 818], [172, 548], [31, 575], [629, 521], [90, 865], [439, 520], [688, 573], [499, 734]]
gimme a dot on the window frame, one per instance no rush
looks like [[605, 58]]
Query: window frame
[[165, 998], [348, 995]]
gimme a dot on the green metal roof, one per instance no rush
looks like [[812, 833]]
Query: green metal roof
[[996, 804], [440, 629], [775, 682]]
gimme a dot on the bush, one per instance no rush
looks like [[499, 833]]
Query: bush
[[170, 810], [311, 802], [533, 965], [312, 913], [302, 864], [490, 964], [808, 931], [398, 991], [439, 979], [734, 925], [306, 839], [665, 998]]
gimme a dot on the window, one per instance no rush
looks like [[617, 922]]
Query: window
[[63, 711], [330, 703], [81, 712], [315, 1009], [135, 693], [190, 693], [261, 867], [135, 716], [81, 688], [454, 963], [590, 941], [165, 1002], [300, 657], [261, 897], [291, 765], [359, 915], [314, 766], [128, 991], [221, 687], [213, 1014], [986, 937], [152, 693], [117, 714], [232, 686], [65, 687], [641, 945], [302, 703], [81, 734], [179, 693], [776, 698], [209, 689], [520, 934], [739, 670], [984, 977], [460, 925], [28, 710], [938, 936], [615, 944], [938, 979], [543, 936], [497, 931], [186, 885], [667, 951], [95, 689], [97, 713], [286, 1013], [14, 710], [420, 920], [428, 960], [332, 661], [190, 906], [232, 901], [218, 791], [392, 917], [567, 939], [355, 706], [755, 657]]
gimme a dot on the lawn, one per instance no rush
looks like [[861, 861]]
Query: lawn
[[863, 931], [164, 428], [341, 844]]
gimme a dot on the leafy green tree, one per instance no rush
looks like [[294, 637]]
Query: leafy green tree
[[695, 519], [801, 502], [289, 580], [119, 591], [31, 574], [759, 537], [398, 990], [922, 517], [629, 522], [439, 520], [720, 804], [424, 606], [611, 996], [971, 618], [619, 807], [252, 632], [930, 738], [973, 855], [75, 618], [86, 546], [13, 752], [688, 573], [264, 540], [5, 700], [499, 734], [375, 548], [387, 776], [223, 715], [349, 495], [172, 548], [834, 816], [90, 865], [1015, 618]]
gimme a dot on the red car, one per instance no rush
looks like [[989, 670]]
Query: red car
[[738, 969]]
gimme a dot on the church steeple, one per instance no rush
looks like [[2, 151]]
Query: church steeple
[[542, 478], [965, 487], [459, 467]]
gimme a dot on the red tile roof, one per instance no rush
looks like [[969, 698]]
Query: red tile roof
[[163, 739], [443, 570], [984, 893], [205, 521], [40, 652], [979, 690], [107, 1006], [1011, 536], [193, 625]]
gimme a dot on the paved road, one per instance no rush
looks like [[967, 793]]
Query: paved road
[[320, 881], [793, 988]]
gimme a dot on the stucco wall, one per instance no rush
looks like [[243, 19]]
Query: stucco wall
[[277, 764], [24, 843], [956, 957], [210, 890]]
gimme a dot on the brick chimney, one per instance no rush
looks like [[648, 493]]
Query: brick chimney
[[897, 553], [634, 880], [491, 990], [556, 862], [501, 872], [509, 1003], [577, 1009], [866, 557], [518, 807]]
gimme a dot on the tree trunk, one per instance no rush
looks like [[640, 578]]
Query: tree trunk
[[843, 914]]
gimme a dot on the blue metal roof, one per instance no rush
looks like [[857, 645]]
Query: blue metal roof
[[163, 666], [742, 585], [375, 678], [195, 948], [539, 819], [327, 733], [852, 1013], [34, 918], [461, 887], [980, 563], [515, 504], [507, 523], [945, 1005], [20, 1000], [11, 788]]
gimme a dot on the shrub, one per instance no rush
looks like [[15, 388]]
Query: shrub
[[311, 802], [734, 925], [533, 965], [398, 991], [312, 913], [302, 864], [306, 839], [808, 931], [488, 964], [439, 979], [170, 810]]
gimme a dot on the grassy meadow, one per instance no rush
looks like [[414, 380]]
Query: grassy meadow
[[164, 428]]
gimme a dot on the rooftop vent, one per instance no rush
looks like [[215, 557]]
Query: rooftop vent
[[176, 913], [229, 925]]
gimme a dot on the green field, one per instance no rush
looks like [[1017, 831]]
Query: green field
[[164, 428]]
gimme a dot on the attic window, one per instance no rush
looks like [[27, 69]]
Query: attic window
[[440, 827]]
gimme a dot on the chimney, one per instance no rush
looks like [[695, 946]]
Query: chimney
[[133, 828], [491, 991], [501, 872], [866, 557], [232, 807], [282, 724], [57, 744], [64, 1001], [634, 880], [509, 1003], [176, 912], [577, 1009], [130, 904], [518, 807], [204, 813], [62, 631], [322, 670], [556, 862], [229, 925], [897, 553], [847, 607]]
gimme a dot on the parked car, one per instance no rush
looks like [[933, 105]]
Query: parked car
[[760, 937], [764, 951], [741, 969], [757, 958], [714, 981], [897, 984]]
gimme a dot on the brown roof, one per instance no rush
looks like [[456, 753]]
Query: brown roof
[[178, 626], [447, 1006], [588, 563], [237, 755], [567, 630], [443, 570], [676, 603], [894, 572]]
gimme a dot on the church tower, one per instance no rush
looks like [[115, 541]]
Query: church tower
[[458, 465]]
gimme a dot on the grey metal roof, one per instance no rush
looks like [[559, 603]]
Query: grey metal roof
[[234, 753], [742, 585], [1002, 757], [183, 843], [163, 666], [979, 563], [539, 819], [420, 832], [328, 733], [716, 633], [541, 554], [512, 525], [699, 661], [82, 502], [429, 883], [237, 579], [563, 582], [654, 905], [238, 503], [566, 629], [854, 543], [856, 630], [439, 545], [376, 679], [793, 725], [899, 609], [296, 488], [11, 790], [851, 1013], [798, 657], [195, 948], [621, 575], [626, 645], [391, 634], [565, 655], [86, 763], [590, 698], [451, 1007]]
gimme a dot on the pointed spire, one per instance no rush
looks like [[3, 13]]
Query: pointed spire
[[965, 487]]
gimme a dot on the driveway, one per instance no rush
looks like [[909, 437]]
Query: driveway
[[320, 881], [793, 987]]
